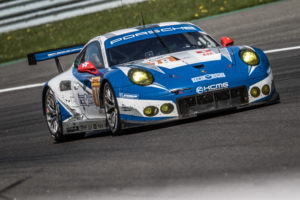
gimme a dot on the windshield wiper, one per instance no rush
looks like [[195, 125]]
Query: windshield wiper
[[196, 46], [161, 41]]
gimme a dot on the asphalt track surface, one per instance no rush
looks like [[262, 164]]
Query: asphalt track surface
[[250, 154]]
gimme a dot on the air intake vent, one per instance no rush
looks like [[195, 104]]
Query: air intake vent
[[199, 66]]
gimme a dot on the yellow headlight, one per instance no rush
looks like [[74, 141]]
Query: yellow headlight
[[140, 76], [255, 92], [249, 57], [265, 89], [150, 111], [167, 108]]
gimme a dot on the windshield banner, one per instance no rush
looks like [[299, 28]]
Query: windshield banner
[[149, 33]]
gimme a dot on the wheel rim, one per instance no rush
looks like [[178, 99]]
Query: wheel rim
[[111, 110], [52, 113]]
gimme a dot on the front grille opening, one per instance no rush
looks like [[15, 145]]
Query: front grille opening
[[239, 95], [205, 99], [213, 100]]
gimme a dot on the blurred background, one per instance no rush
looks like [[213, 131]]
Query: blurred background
[[253, 154], [28, 26]]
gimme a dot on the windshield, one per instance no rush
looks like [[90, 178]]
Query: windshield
[[158, 46]]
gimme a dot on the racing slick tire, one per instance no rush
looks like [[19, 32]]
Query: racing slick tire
[[53, 116], [111, 109]]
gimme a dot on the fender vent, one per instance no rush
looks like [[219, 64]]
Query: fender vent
[[199, 66]]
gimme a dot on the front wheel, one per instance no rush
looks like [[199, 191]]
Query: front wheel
[[111, 109], [53, 116]]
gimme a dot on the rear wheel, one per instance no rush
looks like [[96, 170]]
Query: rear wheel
[[53, 116], [111, 109]]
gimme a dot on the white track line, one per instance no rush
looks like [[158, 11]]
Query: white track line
[[283, 49], [21, 87], [41, 84]]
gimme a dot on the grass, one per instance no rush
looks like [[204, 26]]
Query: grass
[[78, 30]]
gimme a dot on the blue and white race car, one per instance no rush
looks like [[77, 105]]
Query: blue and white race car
[[151, 74]]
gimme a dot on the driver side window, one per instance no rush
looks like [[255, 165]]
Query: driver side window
[[79, 59], [91, 53]]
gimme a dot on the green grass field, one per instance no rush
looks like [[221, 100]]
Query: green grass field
[[78, 30]]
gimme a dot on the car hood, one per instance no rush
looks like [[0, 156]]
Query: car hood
[[187, 68]]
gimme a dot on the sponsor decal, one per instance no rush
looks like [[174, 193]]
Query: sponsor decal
[[64, 52], [126, 108], [85, 64], [129, 96], [162, 61], [217, 86], [92, 126], [95, 83], [208, 77], [85, 100], [143, 33], [205, 52]]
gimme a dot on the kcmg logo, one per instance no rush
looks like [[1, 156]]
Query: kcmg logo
[[217, 86]]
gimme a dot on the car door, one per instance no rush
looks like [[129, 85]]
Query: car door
[[87, 85]]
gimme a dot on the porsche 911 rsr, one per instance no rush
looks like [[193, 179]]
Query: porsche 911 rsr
[[151, 74]]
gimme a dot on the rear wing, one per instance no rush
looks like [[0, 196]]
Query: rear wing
[[33, 58]]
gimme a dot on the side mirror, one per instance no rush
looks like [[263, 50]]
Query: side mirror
[[226, 41], [87, 67]]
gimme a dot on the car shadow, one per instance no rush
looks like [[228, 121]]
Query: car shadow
[[200, 117], [145, 128]]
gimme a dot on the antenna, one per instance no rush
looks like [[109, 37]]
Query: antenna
[[143, 20], [142, 15], [123, 13]]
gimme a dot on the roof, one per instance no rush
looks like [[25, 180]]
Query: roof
[[138, 28]]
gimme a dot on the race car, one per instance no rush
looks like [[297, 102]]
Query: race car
[[151, 74]]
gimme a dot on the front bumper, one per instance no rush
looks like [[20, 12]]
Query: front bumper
[[131, 110]]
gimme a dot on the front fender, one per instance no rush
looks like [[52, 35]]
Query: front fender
[[117, 79], [245, 70]]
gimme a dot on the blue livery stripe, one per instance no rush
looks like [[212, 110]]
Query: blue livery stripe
[[64, 113], [142, 119], [84, 78]]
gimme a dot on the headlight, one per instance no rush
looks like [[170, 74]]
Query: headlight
[[150, 111], [167, 108], [249, 57], [255, 92], [265, 89], [140, 76]]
